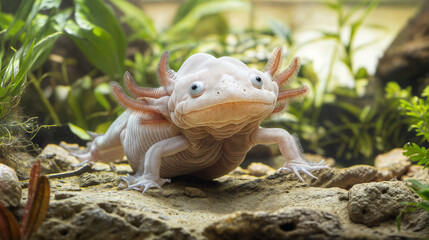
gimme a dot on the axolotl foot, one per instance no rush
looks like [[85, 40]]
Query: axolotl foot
[[300, 165], [143, 183]]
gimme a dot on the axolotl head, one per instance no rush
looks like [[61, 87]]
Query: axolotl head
[[213, 92]]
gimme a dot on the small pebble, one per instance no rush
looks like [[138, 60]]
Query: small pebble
[[63, 195], [260, 169], [195, 192]]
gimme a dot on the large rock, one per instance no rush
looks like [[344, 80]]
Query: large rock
[[417, 172], [373, 203], [345, 178], [293, 223], [10, 188], [392, 164]]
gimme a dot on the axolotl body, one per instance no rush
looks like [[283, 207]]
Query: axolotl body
[[201, 121]]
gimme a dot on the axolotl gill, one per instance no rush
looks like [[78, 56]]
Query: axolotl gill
[[202, 121]]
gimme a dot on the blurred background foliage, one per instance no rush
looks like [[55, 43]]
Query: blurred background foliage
[[64, 54]]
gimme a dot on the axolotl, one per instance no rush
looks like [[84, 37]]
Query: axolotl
[[202, 121]]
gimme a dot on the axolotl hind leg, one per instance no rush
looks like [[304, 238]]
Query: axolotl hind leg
[[107, 147]]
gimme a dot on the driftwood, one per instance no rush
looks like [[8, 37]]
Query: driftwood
[[406, 61]]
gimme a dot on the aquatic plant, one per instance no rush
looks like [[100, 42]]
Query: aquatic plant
[[417, 110], [33, 35], [33, 29], [35, 209]]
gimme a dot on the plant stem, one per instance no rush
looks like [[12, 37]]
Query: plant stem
[[321, 88], [45, 101]]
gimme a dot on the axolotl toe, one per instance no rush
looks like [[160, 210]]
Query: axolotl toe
[[201, 121]]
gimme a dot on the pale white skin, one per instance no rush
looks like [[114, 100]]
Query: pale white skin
[[204, 120]]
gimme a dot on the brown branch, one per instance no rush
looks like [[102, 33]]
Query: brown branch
[[85, 168]]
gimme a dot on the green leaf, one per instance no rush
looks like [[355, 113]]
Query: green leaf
[[361, 73], [97, 13], [420, 188], [102, 127], [79, 132], [280, 30], [358, 23], [100, 91], [98, 47], [20, 23], [99, 36], [138, 20], [425, 92], [42, 49], [417, 154], [13, 78], [186, 24]]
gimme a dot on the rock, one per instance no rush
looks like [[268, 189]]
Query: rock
[[122, 168], [10, 188], [417, 221], [21, 162], [344, 178], [195, 192], [112, 167], [295, 223], [233, 206], [56, 159], [260, 169], [90, 179], [64, 195], [98, 212], [103, 221], [373, 203], [417, 172], [391, 164], [239, 171]]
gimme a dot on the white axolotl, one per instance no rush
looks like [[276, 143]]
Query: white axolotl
[[201, 121]]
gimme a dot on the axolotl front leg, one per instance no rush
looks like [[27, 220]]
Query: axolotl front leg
[[148, 173], [289, 149]]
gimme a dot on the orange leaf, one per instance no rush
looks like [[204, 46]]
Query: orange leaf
[[39, 207], [32, 185], [9, 228]]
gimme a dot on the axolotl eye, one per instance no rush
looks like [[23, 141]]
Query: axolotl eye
[[196, 89], [257, 81]]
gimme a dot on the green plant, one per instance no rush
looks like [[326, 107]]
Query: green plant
[[35, 28], [35, 209], [423, 191], [417, 110], [99, 36], [34, 34]]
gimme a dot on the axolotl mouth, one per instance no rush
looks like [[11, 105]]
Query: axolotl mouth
[[219, 115]]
